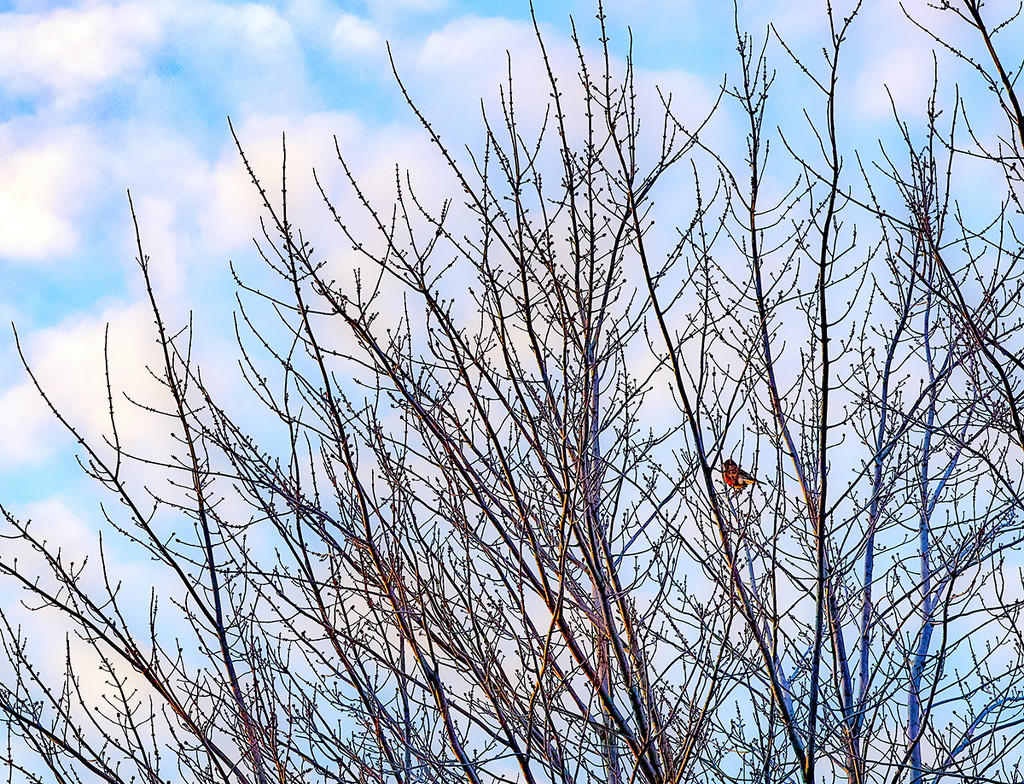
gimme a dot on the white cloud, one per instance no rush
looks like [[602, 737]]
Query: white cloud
[[482, 42], [353, 36], [230, 216], [73, 536], [196, 208], [34, 200], [71, 50], [889, 54], [253, 27], [477, 55], [180, 48], [905, 74], [468, 60], [68, 362], [66, 162], [64, 527], [27, 426], [49, 175]]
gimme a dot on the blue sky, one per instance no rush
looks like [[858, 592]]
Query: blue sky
[[97, 98], [100, 97]]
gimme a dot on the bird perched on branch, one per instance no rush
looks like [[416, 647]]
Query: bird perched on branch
[[735, 476]]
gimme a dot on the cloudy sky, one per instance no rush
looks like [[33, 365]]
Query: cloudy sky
[[97, 98]]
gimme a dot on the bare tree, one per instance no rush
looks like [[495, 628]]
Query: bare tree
[[486, 535]]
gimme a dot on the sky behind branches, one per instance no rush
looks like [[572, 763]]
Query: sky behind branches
[[98, 98]]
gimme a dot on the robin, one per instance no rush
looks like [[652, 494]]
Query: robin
[[735, 476]]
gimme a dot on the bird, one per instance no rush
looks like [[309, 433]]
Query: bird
[[735, 476]]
